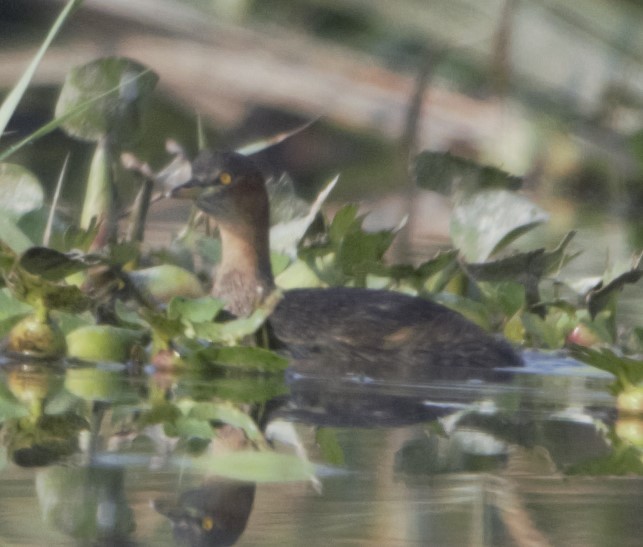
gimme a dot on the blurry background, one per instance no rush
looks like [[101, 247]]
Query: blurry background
[[550, 90]]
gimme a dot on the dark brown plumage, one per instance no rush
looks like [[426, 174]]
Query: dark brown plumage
[[372, 333]]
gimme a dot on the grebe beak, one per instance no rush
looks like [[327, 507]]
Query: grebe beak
[[192, 189]]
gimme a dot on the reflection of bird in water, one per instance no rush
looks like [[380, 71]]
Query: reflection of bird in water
[[215, 514], [374, 333]]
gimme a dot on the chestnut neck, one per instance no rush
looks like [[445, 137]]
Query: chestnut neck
[[244, 276]]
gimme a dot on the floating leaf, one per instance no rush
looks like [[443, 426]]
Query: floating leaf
[[99, 383], [258, 466], [102, 343], [247, 358], [249, 388], [232, 331], [331, 450], [484, 222], [121, 84]]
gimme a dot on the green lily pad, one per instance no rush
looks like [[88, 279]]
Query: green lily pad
[[113, 90]]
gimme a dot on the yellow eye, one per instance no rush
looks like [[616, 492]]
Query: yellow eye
[[225, 178], [207, 523]]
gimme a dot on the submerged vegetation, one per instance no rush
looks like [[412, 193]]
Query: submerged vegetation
[[94, 319]]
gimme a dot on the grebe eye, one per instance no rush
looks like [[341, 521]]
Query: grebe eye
[[225, 178], [207, 523]]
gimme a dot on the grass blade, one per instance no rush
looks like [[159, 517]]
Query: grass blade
[[11, 102], [52, 212], [57, 122]]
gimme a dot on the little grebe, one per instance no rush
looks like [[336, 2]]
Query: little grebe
[[375, 333]]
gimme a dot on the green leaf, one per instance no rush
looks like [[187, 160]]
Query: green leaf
[[343, 221], [163, 412], [99, 383], [484, 222], [50, 264], [10, 407], [244, 357], [331, 450], [526, 268], [628, 371], [294, 215], [259, 467], [12, 236], [194, 310], [229, 414], [102, 343], [117, 86], [248, 388], [11, 306], [160, 284], [360, 252], [472, 310], [10, 103], [509, 296], [603, 295], [20, 190], [98, 205], [448, 174], [544, 332], [232, 331], [189, 428], [622, 460], [262, 144]]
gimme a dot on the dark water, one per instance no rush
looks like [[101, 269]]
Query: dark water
[[450, 463]]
